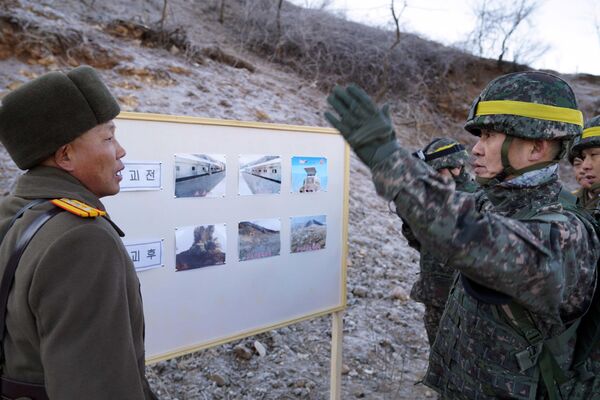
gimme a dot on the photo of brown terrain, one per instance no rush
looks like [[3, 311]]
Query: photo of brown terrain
[[308, 233], [259, 239], [206, 249]]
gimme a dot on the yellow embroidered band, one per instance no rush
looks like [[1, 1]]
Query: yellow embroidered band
[[78, 208], [591, 132], [443, 148], [530, 110]]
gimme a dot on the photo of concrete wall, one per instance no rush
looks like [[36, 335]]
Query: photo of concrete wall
[[308, 233], [200, 246], [259, 239], [259, 174], [200, 175], [309, 174]]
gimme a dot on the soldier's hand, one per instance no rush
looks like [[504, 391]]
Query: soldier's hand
[[366, 128]]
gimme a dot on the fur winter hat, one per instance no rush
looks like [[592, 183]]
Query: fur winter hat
[[42, 115]]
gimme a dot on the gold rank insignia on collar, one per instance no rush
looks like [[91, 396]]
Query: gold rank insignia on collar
[[78, 208]]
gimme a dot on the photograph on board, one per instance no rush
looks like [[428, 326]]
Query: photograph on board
[[200, 246], [259, 174], [309, 174], [200, 175], [308, 233], [259, 239]]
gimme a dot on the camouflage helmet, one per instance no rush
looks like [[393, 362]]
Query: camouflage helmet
[[530, 105], [589, 138], [443, 153], [573, 152]]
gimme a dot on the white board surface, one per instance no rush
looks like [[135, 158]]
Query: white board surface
[[193, 309]]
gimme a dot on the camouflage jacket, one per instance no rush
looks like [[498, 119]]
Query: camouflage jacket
[[546, 267], [590, 200], [435, 274]]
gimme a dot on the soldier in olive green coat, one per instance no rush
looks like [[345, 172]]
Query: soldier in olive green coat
[[74, 317], [526, 265], [450, 158]]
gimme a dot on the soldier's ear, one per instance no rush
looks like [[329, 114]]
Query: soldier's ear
[[540, 150], [62, 158]]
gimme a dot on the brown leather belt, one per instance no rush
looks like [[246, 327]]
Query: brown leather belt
[[14, 389]]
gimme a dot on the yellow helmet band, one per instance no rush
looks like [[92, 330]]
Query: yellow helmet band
[[530, 110], [444, 148], [591, 132]]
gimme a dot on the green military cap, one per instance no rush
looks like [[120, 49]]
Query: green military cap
[[42, 115], [589, 138], [530, 105], [443, 153]]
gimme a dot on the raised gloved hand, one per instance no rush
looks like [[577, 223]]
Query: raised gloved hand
[[367, 129]]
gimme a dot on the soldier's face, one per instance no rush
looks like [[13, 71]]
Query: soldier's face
[[487, 160], [578, 169], [590, 166], [95, 160]]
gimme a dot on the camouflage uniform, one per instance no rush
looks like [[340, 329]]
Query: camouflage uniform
[[571, 158], [435, 275], [530, 252], [573, 149], [588, 198]]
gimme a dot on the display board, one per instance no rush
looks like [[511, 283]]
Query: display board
[[234, 228]]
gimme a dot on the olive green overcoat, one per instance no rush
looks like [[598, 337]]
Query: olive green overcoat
[[74, 317]]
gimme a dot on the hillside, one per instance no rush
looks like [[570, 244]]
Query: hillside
[[190, 64]]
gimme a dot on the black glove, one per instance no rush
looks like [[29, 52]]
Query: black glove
[[367, 130]]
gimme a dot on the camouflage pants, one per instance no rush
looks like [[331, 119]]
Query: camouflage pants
[[431, 319]]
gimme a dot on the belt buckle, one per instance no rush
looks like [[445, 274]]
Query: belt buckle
[[529, 357]]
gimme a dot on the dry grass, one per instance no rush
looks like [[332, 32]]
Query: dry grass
[[429, 85]]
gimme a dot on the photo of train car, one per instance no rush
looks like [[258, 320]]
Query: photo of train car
[[259, 174], [309, 174], [200, 175]]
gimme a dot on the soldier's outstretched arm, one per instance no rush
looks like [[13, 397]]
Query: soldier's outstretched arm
[[539, 270], [539, 266]]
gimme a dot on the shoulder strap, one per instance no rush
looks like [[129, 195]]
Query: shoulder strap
[[18, 215], [588, 332], [587, 327], [13, 262], [541, 352]]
